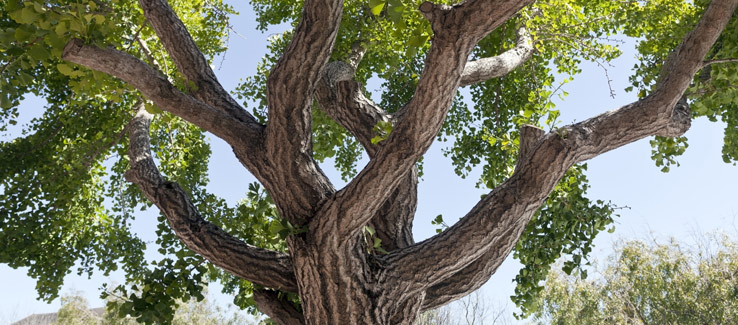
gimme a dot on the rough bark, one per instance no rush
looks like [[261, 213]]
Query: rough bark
[[500, 217], [190, 61], [277, 308], [258, 265], [160, 91], [497, 66], [341, 98], [330, 266], [288, 142], [456, 31], [472, 277]]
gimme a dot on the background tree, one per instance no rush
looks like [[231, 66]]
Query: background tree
[[75, 310], [132, 82], [470, 310], [652, 283]]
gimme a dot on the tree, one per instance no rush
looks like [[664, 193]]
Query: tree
[[75, 310], [307, 252], [472, 309], [650, 284]]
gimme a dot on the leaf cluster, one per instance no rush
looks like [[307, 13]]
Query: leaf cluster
[[654, 283]]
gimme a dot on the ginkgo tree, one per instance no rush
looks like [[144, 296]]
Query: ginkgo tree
[[131, 95]]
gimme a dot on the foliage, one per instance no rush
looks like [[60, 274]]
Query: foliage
[[565, 226], [650, 284], [64, 203], [75, 310]]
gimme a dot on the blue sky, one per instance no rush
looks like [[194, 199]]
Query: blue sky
[[699, 196]]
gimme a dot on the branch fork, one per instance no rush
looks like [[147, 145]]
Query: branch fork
[[280, 156]]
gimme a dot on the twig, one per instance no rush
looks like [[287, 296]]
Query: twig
[[726, 60], [135, 37], [14, 58]]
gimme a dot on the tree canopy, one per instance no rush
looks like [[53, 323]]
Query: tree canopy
[[644, 283], [131, 95]]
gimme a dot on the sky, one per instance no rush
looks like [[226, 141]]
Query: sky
[[697, 197]]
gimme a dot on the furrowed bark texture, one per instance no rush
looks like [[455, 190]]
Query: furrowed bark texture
[[660, 113], [261, 266], [277, 308], [288, 141], [190, 61], [341, 98], [340, 278]]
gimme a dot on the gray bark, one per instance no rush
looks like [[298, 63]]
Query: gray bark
[[329, 266], [500, 65], [261, 266], [277, 308]]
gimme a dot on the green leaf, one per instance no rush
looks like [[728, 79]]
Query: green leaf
[[65, 69], [22, 35], [370, 230], [377, 242], [418, 40], [5, 103], [61, 28], [152, 109], [276, 228], [377, 139], [26, 78], [27, 16], [39, 52], [394, 12], [376, 6]]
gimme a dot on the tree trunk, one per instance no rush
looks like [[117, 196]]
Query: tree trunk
[[339, 277]]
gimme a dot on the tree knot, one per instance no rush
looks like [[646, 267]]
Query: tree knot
[[435, 14], [680, 120], [337, 71], [72, 48]]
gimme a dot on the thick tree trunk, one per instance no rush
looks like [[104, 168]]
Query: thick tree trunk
[[339, 283], [341, 279], [336, 287]]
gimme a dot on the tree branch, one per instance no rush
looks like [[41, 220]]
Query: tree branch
[[421, 118], [261, 266], [288, 135], [663, 112], [394, 220], [476, 274], [715, 61], [473, 18], [496, 222], [292, 81], [357, 54], [464, 282], [246, 138], [189, 60], [278, 309], [342, 98], [156, 88], [500, 65]]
